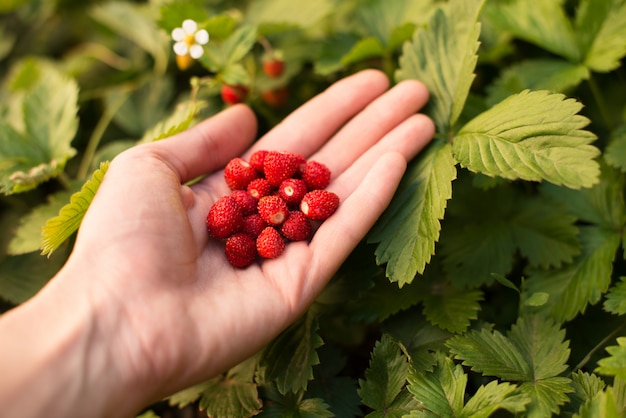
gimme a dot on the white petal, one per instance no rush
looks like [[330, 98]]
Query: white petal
[[189, 26], [202, 37], [196, 51], [178, 34], [181, 48]]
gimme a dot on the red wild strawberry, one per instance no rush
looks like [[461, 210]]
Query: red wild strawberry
[[273, 209], [273, 67], [292, 191], [233, 94], [246, 202], [238, 173], [277, 97], [279, 166], [240, 250], [270, 243], [259, 188], [316, 175], [297, 227], [224, 218], [253, 225], [257, 158], [319, 204]]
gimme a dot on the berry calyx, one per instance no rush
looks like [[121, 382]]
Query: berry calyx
[[319, 204], [273, 209], [240, 250], [224, 218], [297, 227], [233, 94], [238, 173], [269, 243]]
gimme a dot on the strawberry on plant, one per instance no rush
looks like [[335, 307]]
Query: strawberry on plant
[[240, 250], [316, 175], [224, 218], [238, 173], [297, 227], [233, 94], [270, 243], [273, 209], [276, 97], [319, 204], [273, 67]]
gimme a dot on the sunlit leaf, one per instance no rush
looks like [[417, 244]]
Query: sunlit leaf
[[601, 30], [616, 298], [615, 363]]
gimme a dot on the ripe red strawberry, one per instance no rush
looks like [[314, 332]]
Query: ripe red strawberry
[[273, 67], [279, 166], [297, 227], [257, 158], [316, 175], [240, 250], [292, 191], [259, 188], [253, 225], [246, 202], [224, 218], [276, 97], [238, 173], [273, 209], [270, 243], [319, 204], [233, 94]]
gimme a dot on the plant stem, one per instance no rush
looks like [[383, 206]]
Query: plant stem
[[599, 98], [598, 346]]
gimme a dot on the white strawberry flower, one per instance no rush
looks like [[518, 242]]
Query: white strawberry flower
[[189, 39]]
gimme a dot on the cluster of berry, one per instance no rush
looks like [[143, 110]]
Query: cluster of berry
[[275, 197]]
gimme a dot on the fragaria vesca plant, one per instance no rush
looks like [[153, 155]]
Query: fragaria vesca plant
[[493, 285]]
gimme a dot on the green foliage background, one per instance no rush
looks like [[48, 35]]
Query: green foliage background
[[494, 284]]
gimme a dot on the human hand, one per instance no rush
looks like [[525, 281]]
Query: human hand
[[161, 298]]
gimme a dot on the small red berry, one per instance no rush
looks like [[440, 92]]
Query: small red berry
[[233, 94], [257, 158], [279, 166], [253, 225], [270, 243], [246, 202], [273, 67], [238, 173], [276, 97], [259, 188], [292, 191], [319, 204], [273, 210], [297, 227], [316, 175], [224, 218], [240, 250]]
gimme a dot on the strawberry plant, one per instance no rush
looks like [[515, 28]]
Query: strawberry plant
[[494, 284]]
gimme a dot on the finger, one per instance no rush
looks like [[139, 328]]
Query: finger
[[372, 124], [308, 127], [209, 145]]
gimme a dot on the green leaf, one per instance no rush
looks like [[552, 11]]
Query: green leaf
[[409, 228], [179, 121], [40, 152], [601, 30], [615, 363], [616, 298], [555, 75], [450, 307], [172, 14], [21, 276], [61, 227], [546, 396], [531, 136], [543, 23], [289, 359], [366, 48], [586, 387], [492, 397], [386, 375], [537, 299], [583, 282], [225, 56], [603, 404], [443, 56], [615, 151], [287, 12], [293, 405]]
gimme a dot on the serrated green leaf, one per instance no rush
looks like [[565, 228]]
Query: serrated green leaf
[[179, 121], [535, 136], [289, 359], [615, 151], [21, 276], [226, 55], [543, 23], [386, 375], [557, 76], [293, 405], [586, 386], [451, 308], [546, 396], [226, 398], [615, 363], [616, 298], [603, 404], [189, 395], [492, 397], [408, 230], [583, 282], [601, 30], [443, 56], [492, 354], [61, 227]]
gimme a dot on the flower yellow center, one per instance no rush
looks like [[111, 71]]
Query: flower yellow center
[[190, 40]]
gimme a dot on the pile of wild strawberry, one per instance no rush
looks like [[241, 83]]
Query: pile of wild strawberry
[[275, 198]]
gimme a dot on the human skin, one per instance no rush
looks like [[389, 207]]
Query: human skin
[[147, 303]]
